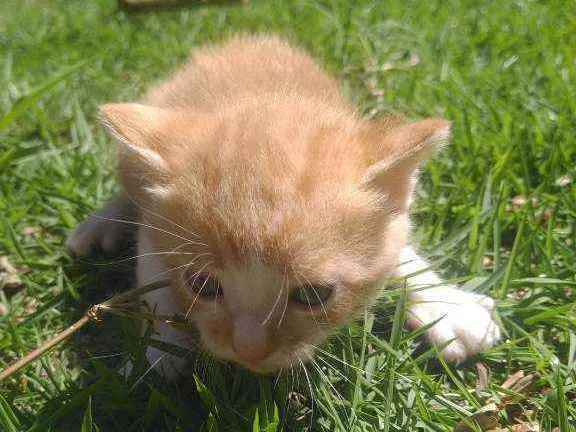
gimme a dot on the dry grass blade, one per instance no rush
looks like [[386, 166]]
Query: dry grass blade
[[483, 376]]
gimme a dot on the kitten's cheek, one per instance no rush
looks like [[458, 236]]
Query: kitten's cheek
[[219, 331]]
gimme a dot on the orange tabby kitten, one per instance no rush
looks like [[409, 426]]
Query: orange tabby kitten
[[274, 209]]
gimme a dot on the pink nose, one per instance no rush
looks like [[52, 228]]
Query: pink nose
[[250, 340]]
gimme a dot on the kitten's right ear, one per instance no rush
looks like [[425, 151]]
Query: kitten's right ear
[[400, 151], [140, 128]]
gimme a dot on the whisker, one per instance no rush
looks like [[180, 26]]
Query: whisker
[[105, 356], [307, 298], [292, 374], [150, 368], [146, 210], [336, 370], [277, 379], [318, 297], [199, 291], [311, 390], [333, 357], [188, 264], [199, 359], [275, 304], [326, 380], [141, 224], [284, 285], [143, 255]]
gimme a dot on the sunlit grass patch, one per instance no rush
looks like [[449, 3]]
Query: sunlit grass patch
[[495, 212]]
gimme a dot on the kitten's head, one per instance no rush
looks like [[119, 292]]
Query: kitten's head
[[284, 218]]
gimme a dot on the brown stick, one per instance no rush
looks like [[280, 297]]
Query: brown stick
[[45, 347], [92, 314]]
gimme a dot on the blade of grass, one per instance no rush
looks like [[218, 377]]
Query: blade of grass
[[87, 420], [368, 321], [512, 260], [562, 412], [397, 325], [29, 100], [8, 419]]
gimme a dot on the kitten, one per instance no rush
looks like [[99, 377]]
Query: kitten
[[275, 210]]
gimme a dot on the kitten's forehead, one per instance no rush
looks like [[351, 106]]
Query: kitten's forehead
[[293, 235], [271, 189], [280, 184], [286, 138]]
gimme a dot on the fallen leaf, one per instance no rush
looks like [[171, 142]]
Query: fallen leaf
[[564, 180], [6, 266], [30, 305], [483, 376], [520, 201], [526, 427], [9, 279], [31, 231], [486, 418], [512, 379], [487, 262], [507, 402]]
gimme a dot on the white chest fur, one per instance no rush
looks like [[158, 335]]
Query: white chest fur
[[162, 302]]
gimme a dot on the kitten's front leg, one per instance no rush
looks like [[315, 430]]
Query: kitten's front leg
[[104, 230], [464, 319], [161, 302]]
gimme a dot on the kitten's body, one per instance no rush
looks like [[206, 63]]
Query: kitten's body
[[272, 188]]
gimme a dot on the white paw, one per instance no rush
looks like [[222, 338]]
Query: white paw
[[102, 231], [465, 325]]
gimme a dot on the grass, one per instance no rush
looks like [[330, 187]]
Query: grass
[[492, 211]]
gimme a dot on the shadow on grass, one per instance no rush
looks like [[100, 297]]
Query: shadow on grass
[[119, 397]]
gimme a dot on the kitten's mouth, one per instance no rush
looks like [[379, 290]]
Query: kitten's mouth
[[274, 363], [262, 367], [259, 368]]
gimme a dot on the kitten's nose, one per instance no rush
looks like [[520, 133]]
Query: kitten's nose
[[250, 339]]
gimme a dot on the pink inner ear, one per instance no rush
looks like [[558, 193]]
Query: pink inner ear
[[139, 128], [404, 147], [133, 123]]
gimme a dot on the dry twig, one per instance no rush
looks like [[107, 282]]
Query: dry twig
[[93, 314]]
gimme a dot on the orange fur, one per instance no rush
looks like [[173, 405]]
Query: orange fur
[[252, 148]]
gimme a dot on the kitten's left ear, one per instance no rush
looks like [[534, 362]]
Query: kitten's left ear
[[140, 128], [400, 150]]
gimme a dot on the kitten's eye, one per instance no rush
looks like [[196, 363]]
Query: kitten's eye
[[205, 285], [311, 295]]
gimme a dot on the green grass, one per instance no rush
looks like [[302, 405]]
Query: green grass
[[502, 72]]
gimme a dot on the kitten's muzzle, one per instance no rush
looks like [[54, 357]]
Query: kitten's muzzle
[[251, 341]]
